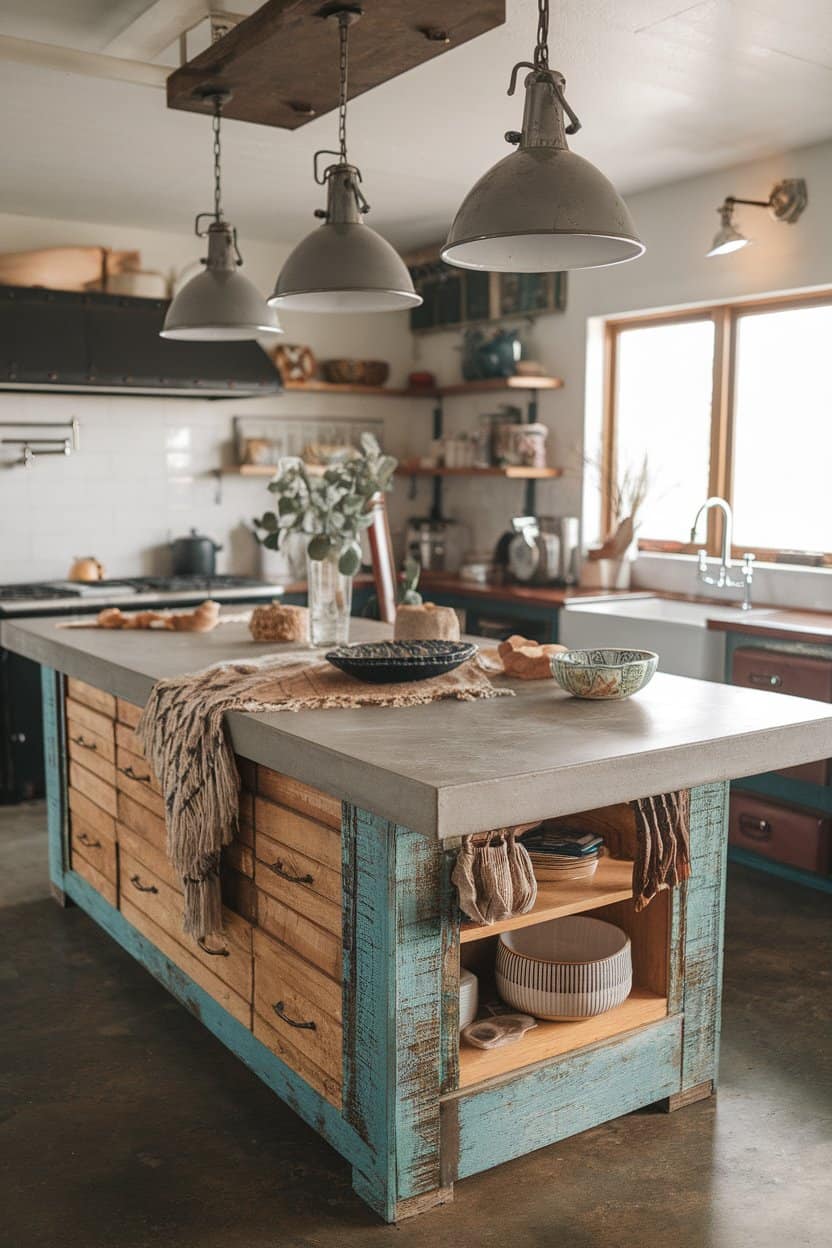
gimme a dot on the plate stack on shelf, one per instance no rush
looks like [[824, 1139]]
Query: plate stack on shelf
[[559, 854]]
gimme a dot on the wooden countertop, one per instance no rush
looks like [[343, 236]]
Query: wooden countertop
[[782, 625], [452, 768], [530, 595]]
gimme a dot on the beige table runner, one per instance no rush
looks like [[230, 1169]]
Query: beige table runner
[[182, 732]]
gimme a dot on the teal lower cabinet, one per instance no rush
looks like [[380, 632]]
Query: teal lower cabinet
[[337, 982], [781, 822]]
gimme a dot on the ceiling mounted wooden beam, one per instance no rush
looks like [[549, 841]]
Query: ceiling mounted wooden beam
[[282, 62]]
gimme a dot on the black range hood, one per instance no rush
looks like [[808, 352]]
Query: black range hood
[[103, 344]]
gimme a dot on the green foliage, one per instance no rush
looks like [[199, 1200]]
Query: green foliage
[[331, 509]]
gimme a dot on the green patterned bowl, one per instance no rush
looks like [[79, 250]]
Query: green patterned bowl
[[606, 673]]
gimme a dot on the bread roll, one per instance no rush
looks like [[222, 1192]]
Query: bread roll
[[426, 623]]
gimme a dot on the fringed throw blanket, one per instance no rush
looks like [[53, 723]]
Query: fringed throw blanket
[[662, 844], [182, 733]]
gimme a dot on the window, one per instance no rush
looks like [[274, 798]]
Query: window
[[734, 401]]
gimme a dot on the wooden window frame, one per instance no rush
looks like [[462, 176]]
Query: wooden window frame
[[725, 318]]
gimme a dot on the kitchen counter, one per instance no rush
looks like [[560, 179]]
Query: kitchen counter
[[336, 976], [454, 768], [531, 595], [812, 627]]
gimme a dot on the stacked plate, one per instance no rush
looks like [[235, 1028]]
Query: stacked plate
[[561, 855]]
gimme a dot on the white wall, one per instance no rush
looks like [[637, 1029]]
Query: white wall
[[677, 223], [144, 472]]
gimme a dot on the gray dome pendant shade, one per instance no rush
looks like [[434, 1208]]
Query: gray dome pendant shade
[[343, 265], [543, 208], [219, 304]]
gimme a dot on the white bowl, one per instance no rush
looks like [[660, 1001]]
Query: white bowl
[[567, 968], [468, 997]]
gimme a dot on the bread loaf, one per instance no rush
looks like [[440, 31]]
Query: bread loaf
[[280, 622], [426, 623]]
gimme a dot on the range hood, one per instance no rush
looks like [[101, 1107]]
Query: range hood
[[103, 344]]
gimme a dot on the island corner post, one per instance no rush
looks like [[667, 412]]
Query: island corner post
[[401, 1109]]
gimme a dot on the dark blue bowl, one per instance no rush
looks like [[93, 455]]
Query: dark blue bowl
[[391, 662]]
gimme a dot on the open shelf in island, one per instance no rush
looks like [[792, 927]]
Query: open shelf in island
[[548, 1040], [613, 881]]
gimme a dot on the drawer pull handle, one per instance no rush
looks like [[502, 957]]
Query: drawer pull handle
[[135, 880], [215, 953], [279, 1010], [755, 829], [82, 741], [767, 679], [83, 839], [134, 775], [280, 870]]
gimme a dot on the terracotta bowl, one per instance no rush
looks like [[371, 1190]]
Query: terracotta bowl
[[605, 673]]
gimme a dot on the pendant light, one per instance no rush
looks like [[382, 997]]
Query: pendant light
[[543, 208], [219, 304], [343, 265]]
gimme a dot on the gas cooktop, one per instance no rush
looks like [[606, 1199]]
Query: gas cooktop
[[61, 597]]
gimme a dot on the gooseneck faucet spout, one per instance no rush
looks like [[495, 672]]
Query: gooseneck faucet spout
[[724, 578]]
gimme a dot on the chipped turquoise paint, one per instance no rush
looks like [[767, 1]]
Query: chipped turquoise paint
[[306, 1103], [559, 1099], [54, 754], [702, 927], [392, 1019]]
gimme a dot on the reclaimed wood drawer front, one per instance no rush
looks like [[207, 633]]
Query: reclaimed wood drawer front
[[149, 853], [96, 819], [141, 820], [127, 712], [317, 840], [299, 796], [327, 1085], [136, 767], [90, 750], [88, 738], [95, 878], [223, 993], [130, 773], [799, 838], [299, 1003], [314, 943], [301, 882], [93, 787], [84, 717], [94, 846], [228, 956], [127, 739], [97, 699]]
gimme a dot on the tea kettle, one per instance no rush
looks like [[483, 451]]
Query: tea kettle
[[86, 568]]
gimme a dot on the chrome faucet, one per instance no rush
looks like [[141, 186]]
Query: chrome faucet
[[724, 578]]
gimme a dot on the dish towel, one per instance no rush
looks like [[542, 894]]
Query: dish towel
[[662, 844], [182, 732]]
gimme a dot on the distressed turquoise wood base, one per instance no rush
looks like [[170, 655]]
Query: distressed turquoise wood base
[[404, 1129]]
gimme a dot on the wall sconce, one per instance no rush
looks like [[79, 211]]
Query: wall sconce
[[785, 203]]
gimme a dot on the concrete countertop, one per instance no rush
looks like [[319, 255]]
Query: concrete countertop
[[451, 768]]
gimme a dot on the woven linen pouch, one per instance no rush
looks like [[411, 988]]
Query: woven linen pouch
[[523, 879]]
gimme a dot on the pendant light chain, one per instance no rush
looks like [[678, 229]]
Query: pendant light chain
[[541, 51], [343, 71], [217, 162]]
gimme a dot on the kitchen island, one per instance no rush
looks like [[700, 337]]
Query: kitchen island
[[337, 978]]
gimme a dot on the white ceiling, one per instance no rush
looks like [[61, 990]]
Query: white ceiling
[[665, 89]]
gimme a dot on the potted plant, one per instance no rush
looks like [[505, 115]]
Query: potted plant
[[331, 506]]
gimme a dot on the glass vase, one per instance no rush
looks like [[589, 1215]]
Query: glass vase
[[330, 602]]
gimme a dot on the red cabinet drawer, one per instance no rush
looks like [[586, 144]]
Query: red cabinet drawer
[[798, 838], [796, 674]]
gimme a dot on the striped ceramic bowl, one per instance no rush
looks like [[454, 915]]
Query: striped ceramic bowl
[[605, 672], [567, 968]]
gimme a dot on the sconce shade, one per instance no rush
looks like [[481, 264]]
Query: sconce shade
[[727, 238], [220, 304], [540, 210]]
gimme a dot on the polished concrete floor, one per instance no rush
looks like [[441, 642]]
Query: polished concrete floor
[[123, 1124]]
